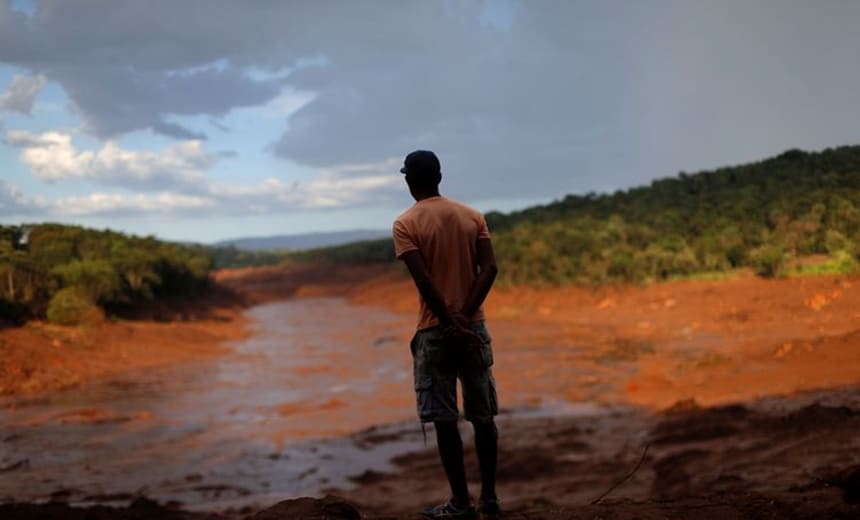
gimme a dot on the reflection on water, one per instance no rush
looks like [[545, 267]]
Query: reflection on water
[[265, 422], [243, 428]]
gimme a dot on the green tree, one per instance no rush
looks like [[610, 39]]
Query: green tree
[[95, 278], [136, 268], [72, 306]]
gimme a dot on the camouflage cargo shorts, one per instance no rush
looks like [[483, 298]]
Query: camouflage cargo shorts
[[438, 364]]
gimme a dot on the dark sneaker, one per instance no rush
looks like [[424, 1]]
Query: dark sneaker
[[449, 510], [489, 509]]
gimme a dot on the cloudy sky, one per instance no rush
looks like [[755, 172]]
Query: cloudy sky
[[211, 119]]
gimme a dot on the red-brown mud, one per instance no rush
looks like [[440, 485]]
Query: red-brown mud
[[42, 357], [745, 392], [713, 341], [787, 457], [776, 458]]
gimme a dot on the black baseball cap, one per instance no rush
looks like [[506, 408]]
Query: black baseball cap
[[421, 161]]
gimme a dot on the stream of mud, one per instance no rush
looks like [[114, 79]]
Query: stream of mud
[[261, 423], [293, 410]]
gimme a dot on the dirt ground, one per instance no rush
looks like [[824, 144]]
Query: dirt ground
[[42, 357], [715, 342], [744, 391], [758, 376], [785, 457], [790, 457]]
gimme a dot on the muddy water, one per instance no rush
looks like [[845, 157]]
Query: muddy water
[[253, 426], [275, 418]]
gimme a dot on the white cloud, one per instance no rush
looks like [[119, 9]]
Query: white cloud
[[350, 184], [13, 202], [339, 187], [176, 183], [270, 197], [508, 91], [126, 205], [52, 156], [21, 93]]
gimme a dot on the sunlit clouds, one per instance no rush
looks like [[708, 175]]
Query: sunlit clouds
[[53, 157], [247, 109]]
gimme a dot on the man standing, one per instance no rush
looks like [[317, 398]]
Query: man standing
[[446, 247]]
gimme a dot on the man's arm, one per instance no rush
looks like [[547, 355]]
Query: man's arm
[[486, 260], [407, 250], [451, 327], [418, 269]]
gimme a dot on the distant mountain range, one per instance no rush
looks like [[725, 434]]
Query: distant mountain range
[[303, 240]]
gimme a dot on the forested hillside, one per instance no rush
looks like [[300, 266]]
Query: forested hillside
[[765, 215], [768, 215], [71, 274]]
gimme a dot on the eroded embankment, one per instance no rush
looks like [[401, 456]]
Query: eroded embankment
[[712, 341], [40, 357]]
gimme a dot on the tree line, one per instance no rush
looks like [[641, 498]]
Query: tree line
[[766, 215], [70, 274]]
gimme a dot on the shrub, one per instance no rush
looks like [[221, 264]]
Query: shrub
[[769, 260], [95, 278], [72, 306], [841, 262], [845, 262]]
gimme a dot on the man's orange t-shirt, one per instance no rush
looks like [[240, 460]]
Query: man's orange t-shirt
[[445, 232]]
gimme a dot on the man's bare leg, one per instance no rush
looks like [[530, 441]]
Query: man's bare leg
[[451, 451], [487, 448]]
